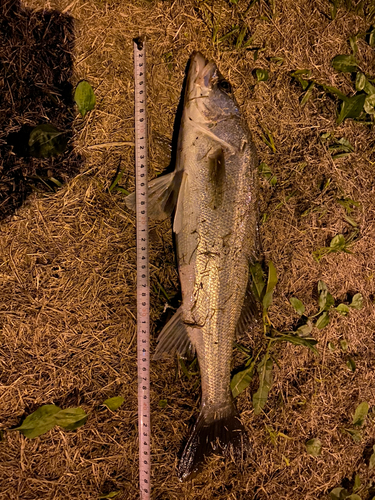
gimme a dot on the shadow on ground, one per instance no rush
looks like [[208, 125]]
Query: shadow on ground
[[36, 62]]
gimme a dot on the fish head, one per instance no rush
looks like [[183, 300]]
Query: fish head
[[208, 96]]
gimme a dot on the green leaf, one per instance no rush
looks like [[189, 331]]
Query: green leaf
[[297, 76], [354, 496], [343, 309], [187, 371], [277, 60], [331, 346], [322, 321], [371, 464], [306, 72], [304, 83], [326, 135], [335, 91], [243, 349], [265, 382], [261, 74], [338, 243], [163, 403], [342, 145], [45, 140], [241, 37], [368, 88], [371, 38], [314, 447], [323, 294], [39, 422], [360, 81], [305, 330], [112, 494], [344, 345], [340, 155], [258, 280], [242, 380], [369, 105], [348, 204], [227, 35], [114, 403], [116, 181], [298, 305], [350, 220], [271, 283], [294, 339], [353, 44], [351, 364], [352, 107], [357, 301], [344, 63], [329, 302], [269, 141], [346, 143], [357, 482], [84, 97], [71, 418], [265, 170], [360, 414], [355, 434], [339, 494], [56, 181], [308, 93]]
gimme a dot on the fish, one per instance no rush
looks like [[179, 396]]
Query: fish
[[212, 194]]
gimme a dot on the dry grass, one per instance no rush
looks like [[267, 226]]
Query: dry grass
[[67, 259]]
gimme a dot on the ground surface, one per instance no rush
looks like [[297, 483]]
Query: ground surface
[[67, 256]]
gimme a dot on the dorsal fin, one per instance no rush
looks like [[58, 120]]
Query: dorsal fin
[[250, 312]]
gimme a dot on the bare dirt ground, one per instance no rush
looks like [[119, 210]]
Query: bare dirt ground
[[67, 256]]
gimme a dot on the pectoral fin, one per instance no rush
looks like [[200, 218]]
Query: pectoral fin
[[162, 195]]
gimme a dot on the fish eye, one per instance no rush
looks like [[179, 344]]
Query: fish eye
[[225, 86]]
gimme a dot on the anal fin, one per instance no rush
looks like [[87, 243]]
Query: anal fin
[[173, 338]]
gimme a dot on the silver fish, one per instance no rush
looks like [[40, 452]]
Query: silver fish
[[214, 197]]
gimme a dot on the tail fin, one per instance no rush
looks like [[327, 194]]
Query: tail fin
[[215, 431]]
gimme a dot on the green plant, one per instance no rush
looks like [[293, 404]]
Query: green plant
[[338, 244], [84, 97], [47, 416], [263, 292], [263, 365], [361, 105]]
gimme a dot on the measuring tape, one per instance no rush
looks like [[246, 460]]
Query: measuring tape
[[143, 283]]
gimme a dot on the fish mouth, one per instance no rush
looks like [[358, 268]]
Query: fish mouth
[[202, 74]]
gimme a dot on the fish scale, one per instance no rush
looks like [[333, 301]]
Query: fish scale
[[216, 269]]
